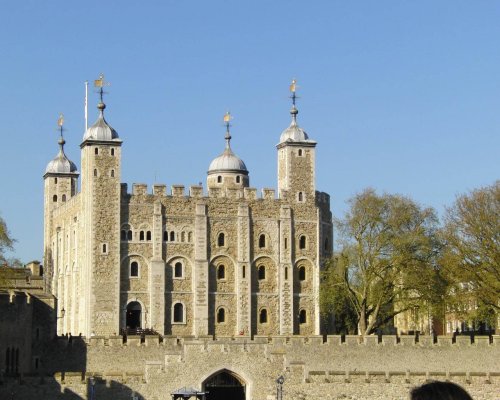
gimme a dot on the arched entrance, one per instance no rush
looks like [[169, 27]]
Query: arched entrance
[[224, 385], [133, 315]]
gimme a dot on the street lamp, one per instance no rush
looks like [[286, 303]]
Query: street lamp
[[63, 313], [279, 387]]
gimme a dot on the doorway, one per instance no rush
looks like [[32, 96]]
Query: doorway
[[133, 315], [224, 385]]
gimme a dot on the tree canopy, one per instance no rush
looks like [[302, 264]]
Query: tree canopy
[[387, 261], [471, 255], [6, 242]]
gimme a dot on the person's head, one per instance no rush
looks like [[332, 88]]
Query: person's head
[[439, 391]]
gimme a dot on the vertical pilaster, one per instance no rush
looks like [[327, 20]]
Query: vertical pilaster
[[200, 273], [157, 274], [243, 273], [286, 271]]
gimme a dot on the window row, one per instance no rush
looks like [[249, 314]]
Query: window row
[[177, 236], [96, 151], [178, 271], [63, 198], [220, 179], [221, 241], [111, 173], [126, 235]]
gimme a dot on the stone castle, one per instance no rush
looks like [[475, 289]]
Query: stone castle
[[211, 295], [225, 262]]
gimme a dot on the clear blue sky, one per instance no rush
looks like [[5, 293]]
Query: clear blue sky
[[402, 96]]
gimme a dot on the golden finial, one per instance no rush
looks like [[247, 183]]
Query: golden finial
[[100, 83], [293, 86], [227, 117]]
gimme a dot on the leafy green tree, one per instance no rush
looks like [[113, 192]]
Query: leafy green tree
[[387, 262], [471, 255], [6, 243]]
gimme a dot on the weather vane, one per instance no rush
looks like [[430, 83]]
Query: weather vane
[[60, 122], [100, 83], [227, 119], [293, 89]]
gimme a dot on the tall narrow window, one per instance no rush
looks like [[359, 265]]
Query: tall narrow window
[[172, 236], [104, 248], [123, 235], [302, 317], [141, 235], [286, 243], [55, 181], [301, 196], [134, 269], [112, 173], [148, 235], [54, 198], [302, 242], [262, 272], [129, 235], [95, 172], [165, 236], [221, 272], [302, 273], [262, 241], [243, 271], [112, 152], [238, 179], [221, 239], [178, 270], [219, 179], [178, 312], [326, 244], [300, 152], [286, 273], [63, 198], [183, 236], [263, 316], [96, 151], [221, 315], [190, 237]]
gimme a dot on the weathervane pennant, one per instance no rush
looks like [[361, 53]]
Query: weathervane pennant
[[60, 120], [293, 86]]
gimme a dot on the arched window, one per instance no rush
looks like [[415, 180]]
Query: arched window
[[134, 269], [178, 270], [286, 273], [219, 179], [263, 316], [220, 239], [141, 235], [262, 241], [54, 198], [55, 181], [112, 173], [302, 273], [286, 243], [123, 235], [96, 151], [112, 152], [243, 271], [221, 315], [172, 236], [63, 198], [190, 237], [129, 235], [301, 196], [178, 313], [165, 236], [183, 236], [262, 272], [238, 179], [302, 317], [95, 171], [221, 272], [302, 242], [300, 152], [148, 235], [104, 248]]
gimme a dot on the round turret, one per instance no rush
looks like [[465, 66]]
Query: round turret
[[294, 132], [61, 164]]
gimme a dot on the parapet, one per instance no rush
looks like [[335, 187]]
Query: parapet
[[159, 190], [139, 189]]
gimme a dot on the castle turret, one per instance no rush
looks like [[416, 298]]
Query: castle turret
[[227, 170], [296, 160], [101, 162], [60, 184]]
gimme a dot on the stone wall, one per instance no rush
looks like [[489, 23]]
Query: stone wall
[[334, 368]]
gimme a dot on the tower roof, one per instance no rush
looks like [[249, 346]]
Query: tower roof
[[294, 133], [61, 164], [101, 130], [227, 161]]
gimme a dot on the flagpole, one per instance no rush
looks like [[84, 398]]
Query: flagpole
[[86, 104]]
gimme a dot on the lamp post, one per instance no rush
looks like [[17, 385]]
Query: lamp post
[[279, 387]]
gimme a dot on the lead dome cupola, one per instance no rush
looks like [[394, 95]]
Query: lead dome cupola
[[101, 130], [61, 164]]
